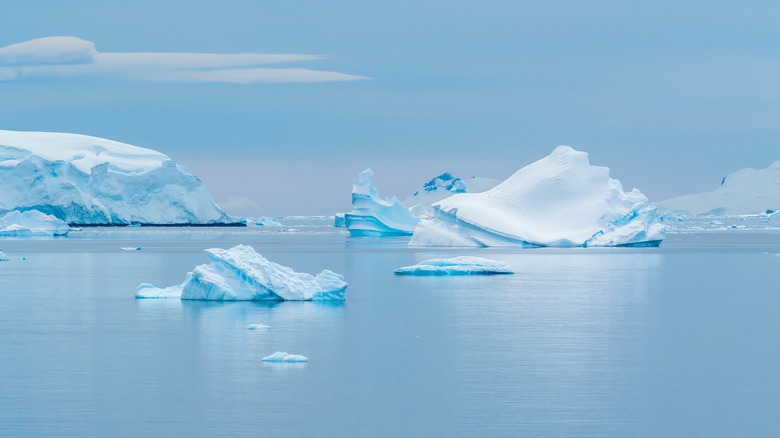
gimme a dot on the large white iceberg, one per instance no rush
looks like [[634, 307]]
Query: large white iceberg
[[372, 216], [241, 274], [560, 200], [462, 265], [747, 191], [31, 223], [90, 180]]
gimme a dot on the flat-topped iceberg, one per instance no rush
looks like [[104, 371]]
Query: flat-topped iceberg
[[372, 216], [747, 191], [90, 180], [462, 265], [560, 200], [241, 274], [31, 223], [281, 356]]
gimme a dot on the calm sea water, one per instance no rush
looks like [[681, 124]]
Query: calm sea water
[[680, 340]]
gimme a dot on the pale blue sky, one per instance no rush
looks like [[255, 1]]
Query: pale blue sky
[[670, 95]]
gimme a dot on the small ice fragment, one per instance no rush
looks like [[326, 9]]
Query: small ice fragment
[[131, 248], [258, 327], [463, 265], [281, 356], [3, 257], [146, 290]]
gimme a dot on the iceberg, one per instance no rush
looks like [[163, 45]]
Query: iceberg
[[31, 223], [747, 191], [463, 265], [281, 356], [241, 274], [266, 222], [446, 185], [560, 200], [258, 327], [85, 180], [3, 257], [372, 216], [339, 221]]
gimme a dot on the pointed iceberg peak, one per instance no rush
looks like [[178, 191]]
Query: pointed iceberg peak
[[364, 184], [445, 181], [559, 200], [372, 216]]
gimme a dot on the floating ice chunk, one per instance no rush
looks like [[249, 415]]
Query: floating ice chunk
[[258, 327], [31, 223], [90, 180], [560, 200], [444, 186], [3, 257], [372, 216], [463, 265], [339, 221], [146, 290], [130, 248], [241, 274], [267, 222], [281, 356]]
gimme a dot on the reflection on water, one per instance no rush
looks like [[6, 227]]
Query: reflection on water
[[621, 342]]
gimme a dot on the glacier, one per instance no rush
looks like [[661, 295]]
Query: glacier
[[281, 356], [560, 200], [241, 274], [85, 180], [747, 191], [372, 216], [461, 265], [31, 223]]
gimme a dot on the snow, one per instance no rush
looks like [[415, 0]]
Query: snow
[[462, 265], [376, 217], [747, 191], [560, 200], [258, 327], [31, 223], [3, 257], [89, 180], [446, 185], [281, 356], [241, 274]]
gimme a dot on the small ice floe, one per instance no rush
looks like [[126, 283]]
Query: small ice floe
[[146, 290], [281, 356], [258, 327], [130, 248], [3, 257], [463, 265]]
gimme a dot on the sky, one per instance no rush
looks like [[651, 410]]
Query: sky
[[277, 106]]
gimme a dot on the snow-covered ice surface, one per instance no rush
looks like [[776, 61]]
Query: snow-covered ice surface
[[266, 222], [744, 223], [462, 265], [31, 223], [372, 216], [560, 200], [89, 180], [281, 356], [241, 274], [747, 191]]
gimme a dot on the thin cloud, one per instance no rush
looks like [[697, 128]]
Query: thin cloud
[[74, 57]]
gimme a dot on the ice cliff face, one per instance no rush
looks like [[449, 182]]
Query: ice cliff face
[[747, 191], [560, 200], [374, 216], [89, 180], [241, 274]]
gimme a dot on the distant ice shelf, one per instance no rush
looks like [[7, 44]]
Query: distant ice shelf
[[560, 200], [241, 274], [462, 265]]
